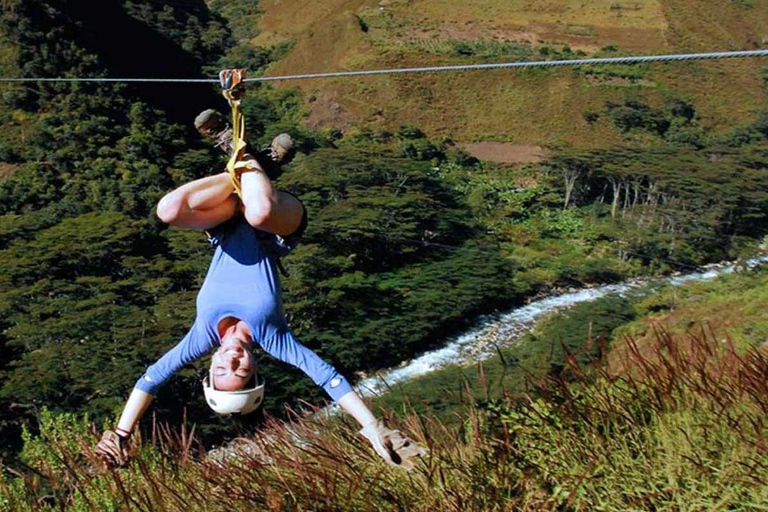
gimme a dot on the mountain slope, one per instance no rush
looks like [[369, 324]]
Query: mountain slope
[[542, 107]]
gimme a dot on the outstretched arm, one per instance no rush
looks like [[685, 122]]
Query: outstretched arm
[[395, 448], [355, 407], [134, 409], [392, 446], [113, 447]]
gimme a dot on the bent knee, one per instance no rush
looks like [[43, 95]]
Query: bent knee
[[258, 213], [170, 208]]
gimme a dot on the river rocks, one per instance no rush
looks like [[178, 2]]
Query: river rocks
[[242, 449]]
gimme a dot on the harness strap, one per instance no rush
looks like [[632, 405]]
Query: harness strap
[[281, 268], [234, 90]]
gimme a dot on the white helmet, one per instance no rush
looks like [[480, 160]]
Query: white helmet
[[241, 401]]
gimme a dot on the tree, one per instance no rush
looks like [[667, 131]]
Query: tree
[[570, 175]]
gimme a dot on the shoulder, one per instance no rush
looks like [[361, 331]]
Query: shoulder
[[203, 334]]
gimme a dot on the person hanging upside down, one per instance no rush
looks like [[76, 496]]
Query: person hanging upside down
[[239, 305]]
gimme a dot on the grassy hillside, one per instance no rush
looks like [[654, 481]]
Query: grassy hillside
[[534, 107], [732, 311], [736, 308], [688, 434], [711, 26]]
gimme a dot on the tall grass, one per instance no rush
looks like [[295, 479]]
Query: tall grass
[[682, 427]]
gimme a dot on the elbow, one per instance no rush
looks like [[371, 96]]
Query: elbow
[[169, 209], [258, 213]]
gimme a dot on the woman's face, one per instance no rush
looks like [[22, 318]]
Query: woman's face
[[232, 364]]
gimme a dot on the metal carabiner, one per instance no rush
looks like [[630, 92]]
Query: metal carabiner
[[233, 83], [231, 78]]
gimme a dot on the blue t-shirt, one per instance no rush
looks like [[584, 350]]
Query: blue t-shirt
[[242, 282]]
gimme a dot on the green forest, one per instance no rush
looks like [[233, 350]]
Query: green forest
[[410, 238]]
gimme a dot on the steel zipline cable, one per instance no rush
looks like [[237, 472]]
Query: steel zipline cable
[[433, 69]]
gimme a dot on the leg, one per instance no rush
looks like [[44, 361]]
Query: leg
[[266, 208], [200, 204]]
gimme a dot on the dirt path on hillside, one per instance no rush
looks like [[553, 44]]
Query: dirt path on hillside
[[326, 111]]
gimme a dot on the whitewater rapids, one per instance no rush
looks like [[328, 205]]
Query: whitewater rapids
[[497, 331]]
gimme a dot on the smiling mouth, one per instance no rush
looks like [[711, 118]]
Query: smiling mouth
[[226, 350], [234, 343]]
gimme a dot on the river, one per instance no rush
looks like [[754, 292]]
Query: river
[[496, 331], [502, 330]]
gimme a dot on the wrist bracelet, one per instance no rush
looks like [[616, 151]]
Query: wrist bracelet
[[125, 434]]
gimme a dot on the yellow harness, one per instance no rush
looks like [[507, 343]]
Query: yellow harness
[[233, 85]]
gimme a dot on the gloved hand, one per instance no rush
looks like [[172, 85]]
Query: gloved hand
[[395, 448], [113, 449]]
